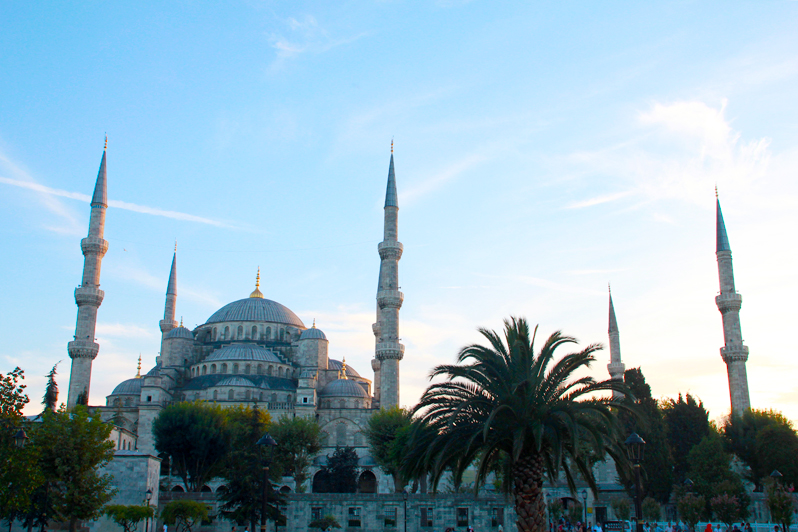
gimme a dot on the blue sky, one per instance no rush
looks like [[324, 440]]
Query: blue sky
[[542, 151]]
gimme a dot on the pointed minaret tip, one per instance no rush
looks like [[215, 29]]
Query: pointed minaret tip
[[100, 196], [171, 286], [613, 322], [391, 199], [721, 238], [256, 293]]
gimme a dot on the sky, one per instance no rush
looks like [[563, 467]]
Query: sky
[[542, 150]]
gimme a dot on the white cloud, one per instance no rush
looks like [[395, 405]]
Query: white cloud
[[305, 36]]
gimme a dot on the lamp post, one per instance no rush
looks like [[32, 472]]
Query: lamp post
[[148, 496], [404, 496], [634, 450], [20, 438], [269, 443], [584, 506]]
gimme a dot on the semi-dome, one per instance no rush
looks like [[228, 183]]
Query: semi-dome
[[256, 309], [343, 388], [243, 352], [128, 387], [312, 334], [180, 332], [235, 381], [337, 365]]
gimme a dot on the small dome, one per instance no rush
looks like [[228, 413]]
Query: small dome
[[256, 309], [337, 364], [312, 334], [154, 372], [235, 381], [179, 332], [344, 388], [128, 387], [243, 352]]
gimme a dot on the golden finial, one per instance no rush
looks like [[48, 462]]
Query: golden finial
[[609, 288], [106, 142], [391, 145], [256, 292], [138, 369], [181, 321], [175, 245], [343, 369], [314, 323], [716, 191]]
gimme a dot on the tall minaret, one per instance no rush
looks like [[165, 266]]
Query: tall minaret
[[168, 322], [615, 367], [88, 296], [734, 353], [388, 350]]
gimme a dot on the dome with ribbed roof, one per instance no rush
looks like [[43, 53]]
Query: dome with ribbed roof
[[235, 381], [244, 352], [256, 309], [337, 365], [128, 387], [180, 332], [312, 334], [343, 388]]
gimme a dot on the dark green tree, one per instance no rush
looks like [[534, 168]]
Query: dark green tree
[[185, 515], [503, 399], [781, 503], [50, 399], [340, 473], [74, 447], [691, 507], [243, 469], [325, 523], [687, 423], [622, 508], [299, 441], [387, 432], [196, 437], [725, 508], [711, 473], [129, 517], [657, 466], [652, 511]]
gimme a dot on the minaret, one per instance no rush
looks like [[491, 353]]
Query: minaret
[[615, 367], [388, 350], [734, 353], [168, 322], [88, 296]]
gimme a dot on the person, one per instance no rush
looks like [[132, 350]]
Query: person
[[708, 528], [164, 527], [501, 528]]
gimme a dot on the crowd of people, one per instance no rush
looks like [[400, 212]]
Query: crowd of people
[[564, 525]]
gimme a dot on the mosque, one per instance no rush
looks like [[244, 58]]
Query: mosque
[[253, 350]]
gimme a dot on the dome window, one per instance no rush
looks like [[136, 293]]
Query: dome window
[[224, 368], [240, 332], [231, 395]]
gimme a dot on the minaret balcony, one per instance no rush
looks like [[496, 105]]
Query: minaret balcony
[[376, 329], [390, 249], [89, 295], [389, 350], [93, 245], [727, 302], [734, 353], [616, 368], [83, 349], [167, 325], [390, 298]]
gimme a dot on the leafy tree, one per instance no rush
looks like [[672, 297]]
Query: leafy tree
[[621, 508], [762, 453], [781, 503], [242, 471], [12, 395], [651, 509], [504, 400], [184, 514], [50, 399], [387, 434], [725, 508], [556, 509], [691, 507], [129, 517], [325, 523], [74, 447], [196, 438], [711, 473], [657, 466], [687, 423], [299, 441], [575, 512], [340, 473]]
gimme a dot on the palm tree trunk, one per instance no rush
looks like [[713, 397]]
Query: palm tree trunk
[[528, 492]]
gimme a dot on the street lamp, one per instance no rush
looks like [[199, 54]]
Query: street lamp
[[404, 496], [269, 443], [634, 450], [584, 506], [20, 438], [148, 496]]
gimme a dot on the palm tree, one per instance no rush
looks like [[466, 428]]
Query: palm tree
[[503, 406]]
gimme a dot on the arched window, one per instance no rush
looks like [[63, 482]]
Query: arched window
[[117, 402], [356, 404], [178, 489], [340, 435], [215, 395], [261, 397], [224, 368], [260, 369], [226, 334], [193, 372], [280, 371], [268, 333], [213, 369], [282, 334], [204, 370], [247, 369], [254, 332], [214, 334], [231, 395], [367, 483], [324, 438], [274, 398], [240, 335], [358, 439], [128, 402], [341, 404], [235, 369], [288, 398], [206, 489], [248, 395], [270, 371]]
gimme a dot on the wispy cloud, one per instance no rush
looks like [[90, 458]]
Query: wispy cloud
[[598, 200], [124, 330], [145, 278], [31, 185], [440, 178], [306, 36]]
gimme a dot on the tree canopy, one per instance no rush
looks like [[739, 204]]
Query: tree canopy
[[387, 434], [299, 441], [185, 515], [129, 517], [340, 473], [687, 424]]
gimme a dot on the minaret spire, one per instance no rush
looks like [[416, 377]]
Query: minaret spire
[[88, 296], [734, 353], [615, 367], [388, 351], [168, 322]]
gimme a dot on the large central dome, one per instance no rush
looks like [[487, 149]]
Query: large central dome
[[256, 309]]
